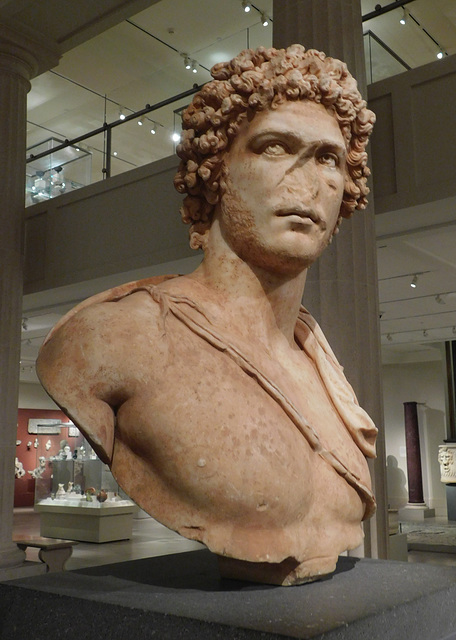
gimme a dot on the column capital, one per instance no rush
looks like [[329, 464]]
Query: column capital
[[26, 53]]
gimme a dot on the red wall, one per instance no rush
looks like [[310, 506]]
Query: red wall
[[24, 488]]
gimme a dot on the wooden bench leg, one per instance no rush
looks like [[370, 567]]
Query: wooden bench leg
[[55, 559]]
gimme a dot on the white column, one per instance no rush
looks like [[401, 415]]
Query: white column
[[19, 61], [341, 289]]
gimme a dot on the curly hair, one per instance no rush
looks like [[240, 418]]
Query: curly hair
[[255, 81]]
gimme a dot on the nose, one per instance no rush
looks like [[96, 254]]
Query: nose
[[304, 176]]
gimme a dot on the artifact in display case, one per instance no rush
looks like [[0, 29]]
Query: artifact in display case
[[77, 498]]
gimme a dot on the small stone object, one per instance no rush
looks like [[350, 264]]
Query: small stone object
[[60, 491], [102, 496]]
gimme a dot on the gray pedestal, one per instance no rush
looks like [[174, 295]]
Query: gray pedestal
[[182, 596], [451, 501]]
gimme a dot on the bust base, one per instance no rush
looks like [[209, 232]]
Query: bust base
[[181, 596], [286, 574]]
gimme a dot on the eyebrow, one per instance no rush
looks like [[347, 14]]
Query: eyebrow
[[295, 136]]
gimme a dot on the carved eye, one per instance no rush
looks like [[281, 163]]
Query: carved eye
[[329, 159], [275, 149]]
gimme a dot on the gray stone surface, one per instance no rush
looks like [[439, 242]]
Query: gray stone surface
[[182, 596]]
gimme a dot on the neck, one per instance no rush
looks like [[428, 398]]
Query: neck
[[256, 301]]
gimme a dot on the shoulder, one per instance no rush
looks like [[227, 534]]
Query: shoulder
[[111, 333], [100, 355]]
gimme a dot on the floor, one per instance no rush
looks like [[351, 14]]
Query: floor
[[150, 538], [153, 539], [443, 559]]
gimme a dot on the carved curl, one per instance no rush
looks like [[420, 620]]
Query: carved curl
[[255, 81]]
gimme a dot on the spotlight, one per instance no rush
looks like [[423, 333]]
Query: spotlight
[[122, 116], [439, 299], [194, 69], [403, 19], [187, 63], [425, 334], [414, 282], [24, 324], [264, 19], [153, 129], [440, 54], [114, 153], [141, 122], [389, 337], [246, 6], [175, 137]]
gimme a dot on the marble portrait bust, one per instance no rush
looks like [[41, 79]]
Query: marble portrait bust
[[215, 397]]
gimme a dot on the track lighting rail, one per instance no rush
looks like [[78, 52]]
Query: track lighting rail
[[107, 129]]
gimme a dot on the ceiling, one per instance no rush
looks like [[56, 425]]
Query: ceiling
[[140, 61]]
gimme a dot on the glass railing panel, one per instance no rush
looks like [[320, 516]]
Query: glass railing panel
[[381, 62], [60, 108]]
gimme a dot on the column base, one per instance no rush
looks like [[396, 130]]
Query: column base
[[416, 512]]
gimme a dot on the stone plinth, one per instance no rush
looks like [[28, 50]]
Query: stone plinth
[[182, 596], [451, 501]]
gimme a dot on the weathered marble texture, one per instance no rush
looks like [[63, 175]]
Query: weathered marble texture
[[215, 397]]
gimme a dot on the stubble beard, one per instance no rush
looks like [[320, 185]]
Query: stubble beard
[[240, 232]]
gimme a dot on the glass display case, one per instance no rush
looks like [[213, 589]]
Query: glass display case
[[59, 172], [77, 496]]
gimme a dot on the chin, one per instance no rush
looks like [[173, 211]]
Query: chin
[[282, 263]]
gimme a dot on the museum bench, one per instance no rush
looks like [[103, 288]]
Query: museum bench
[[54, 552]]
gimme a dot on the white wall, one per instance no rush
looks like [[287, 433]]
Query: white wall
[[33, 396], [420, 382]]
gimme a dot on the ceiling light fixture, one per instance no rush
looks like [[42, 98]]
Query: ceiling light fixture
[[194, 69], [114, 153], [403, 19], [122, 116], [264, 19], [439, 299], [153, 129], [425, 333], [414, 282], [440, 54], [175, 137], [389, 337], [246, 6], [141, 122], [187, 63]]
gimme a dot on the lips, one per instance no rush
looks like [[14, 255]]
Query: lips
[[304, 214]]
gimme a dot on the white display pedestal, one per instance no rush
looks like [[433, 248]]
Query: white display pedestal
[[103, 524]]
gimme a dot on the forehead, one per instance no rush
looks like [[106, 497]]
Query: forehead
[[303, 118]]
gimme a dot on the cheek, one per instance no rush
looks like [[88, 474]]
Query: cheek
[[251, 181]]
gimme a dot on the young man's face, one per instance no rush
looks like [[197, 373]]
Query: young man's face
[[285, 183]]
